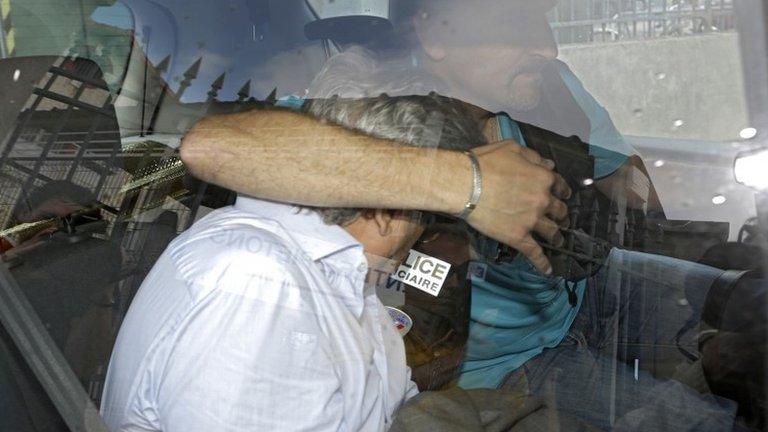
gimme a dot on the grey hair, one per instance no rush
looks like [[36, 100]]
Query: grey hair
[[361, 73], [400, 112]]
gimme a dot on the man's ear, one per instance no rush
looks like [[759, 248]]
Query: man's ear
[[428, 38], [384, 221]]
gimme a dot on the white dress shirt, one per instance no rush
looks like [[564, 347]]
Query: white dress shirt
[[257, 319]]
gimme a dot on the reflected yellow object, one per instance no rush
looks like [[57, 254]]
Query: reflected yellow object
[[24, 231]]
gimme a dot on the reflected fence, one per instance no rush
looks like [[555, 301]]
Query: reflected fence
[[598, 21]]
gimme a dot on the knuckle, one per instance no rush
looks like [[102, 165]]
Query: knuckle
[[543, 202], [527, 248], [531, 154], [548, 178], [529, 222], [550, 226], [548, 231], [517, 234], [537, 257]]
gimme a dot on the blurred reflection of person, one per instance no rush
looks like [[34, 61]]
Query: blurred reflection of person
[[258, 318]]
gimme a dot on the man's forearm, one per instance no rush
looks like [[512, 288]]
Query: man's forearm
[[291, 157]]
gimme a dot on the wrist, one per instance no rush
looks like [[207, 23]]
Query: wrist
[[451, 182]]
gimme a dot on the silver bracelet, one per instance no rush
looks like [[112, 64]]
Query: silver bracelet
[[477, 187]]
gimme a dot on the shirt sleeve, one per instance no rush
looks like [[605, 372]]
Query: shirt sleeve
[[607, 145], [249, 357], [412, 389], [293, 102]]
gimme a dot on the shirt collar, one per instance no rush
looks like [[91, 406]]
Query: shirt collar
[[318, 239]]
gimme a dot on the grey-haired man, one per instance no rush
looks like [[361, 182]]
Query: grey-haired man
[[258, 318]]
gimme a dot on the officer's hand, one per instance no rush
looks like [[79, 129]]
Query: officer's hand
[[521, 195]]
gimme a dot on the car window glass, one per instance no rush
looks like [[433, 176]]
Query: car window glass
[[654, 112]]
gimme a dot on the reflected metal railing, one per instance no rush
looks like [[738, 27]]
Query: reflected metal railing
[[596, 21]]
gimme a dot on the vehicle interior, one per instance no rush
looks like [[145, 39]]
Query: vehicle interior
[[99, 94]]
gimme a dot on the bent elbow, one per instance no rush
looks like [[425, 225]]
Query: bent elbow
[[197, 152]]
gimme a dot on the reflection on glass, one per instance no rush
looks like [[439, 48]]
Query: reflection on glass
[[651, 319]]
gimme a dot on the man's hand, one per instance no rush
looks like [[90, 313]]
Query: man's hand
[[521, 196]]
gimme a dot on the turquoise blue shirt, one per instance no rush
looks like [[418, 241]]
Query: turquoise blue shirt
[[517, 312]]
